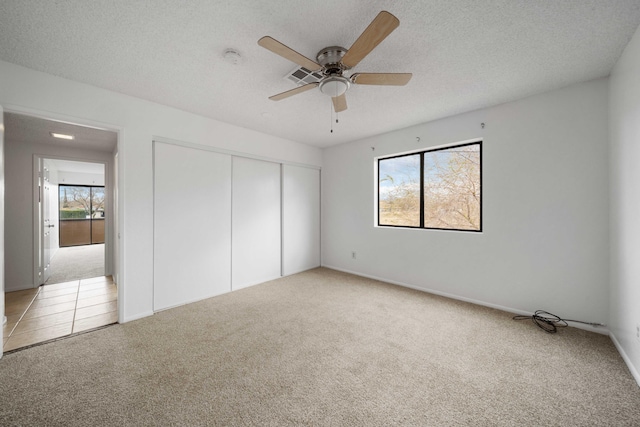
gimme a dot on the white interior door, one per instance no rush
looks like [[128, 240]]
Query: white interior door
[[2, 316], [192, 225], [301, 219], [38, 234], [47, 225], [256, 222]]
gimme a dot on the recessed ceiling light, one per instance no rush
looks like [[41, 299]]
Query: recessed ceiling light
[[61, 135]]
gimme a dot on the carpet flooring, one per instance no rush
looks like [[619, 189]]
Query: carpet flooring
[[322, 348], [77, 263]]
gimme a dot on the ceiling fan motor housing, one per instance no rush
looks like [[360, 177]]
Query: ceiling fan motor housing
[[330, 58]]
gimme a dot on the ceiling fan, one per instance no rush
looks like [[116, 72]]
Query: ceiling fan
[[332, 62]]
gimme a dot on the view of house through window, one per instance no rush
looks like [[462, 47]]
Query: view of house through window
[[81, 215], [438, 189]]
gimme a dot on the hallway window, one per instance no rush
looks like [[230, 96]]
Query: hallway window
[[81, 215]]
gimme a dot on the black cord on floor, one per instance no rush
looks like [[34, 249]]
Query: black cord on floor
[[550, 323]]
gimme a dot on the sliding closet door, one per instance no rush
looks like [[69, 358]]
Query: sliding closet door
[[301, 218], [255, 222], [192, 217]]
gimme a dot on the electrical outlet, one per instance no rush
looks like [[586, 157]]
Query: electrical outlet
[[353, 255]]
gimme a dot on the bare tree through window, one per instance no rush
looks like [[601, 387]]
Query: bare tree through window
[[81, 214], [432, 189], [399, 191]]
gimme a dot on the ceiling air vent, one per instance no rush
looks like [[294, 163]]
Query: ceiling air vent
[[301, 76]]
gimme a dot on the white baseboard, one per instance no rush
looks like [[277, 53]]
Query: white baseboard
[[136, 317], [627, 360], [20, 288], [300, 271], [600, 329], [254, 283]]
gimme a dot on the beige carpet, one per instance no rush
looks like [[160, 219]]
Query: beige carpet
[[322, 348], [76, 263]]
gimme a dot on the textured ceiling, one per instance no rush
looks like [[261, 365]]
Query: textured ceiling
[[22, 128], [464, 54]]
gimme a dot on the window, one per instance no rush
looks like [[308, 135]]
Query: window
[[81, 215], [437, 189]]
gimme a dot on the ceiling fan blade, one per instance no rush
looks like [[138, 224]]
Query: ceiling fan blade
[[292, 92], [286, 52], [378, 30], [339, 103], [392, 79]]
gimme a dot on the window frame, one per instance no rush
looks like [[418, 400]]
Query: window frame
[[90, 219], [422, 153]]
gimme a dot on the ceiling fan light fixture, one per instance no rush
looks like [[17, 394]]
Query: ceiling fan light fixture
[[334, 86]]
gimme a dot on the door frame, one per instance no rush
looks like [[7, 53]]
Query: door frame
[[117, 236], [3, 318]]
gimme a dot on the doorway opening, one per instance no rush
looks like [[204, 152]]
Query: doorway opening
[[70, 252], [73, 218]]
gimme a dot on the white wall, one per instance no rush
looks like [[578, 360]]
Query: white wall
[[544, 243], [138, 121], [80, 178], [624, 125], [19, 196]]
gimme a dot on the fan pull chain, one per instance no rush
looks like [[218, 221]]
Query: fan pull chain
[[331, 113], [337, 114]]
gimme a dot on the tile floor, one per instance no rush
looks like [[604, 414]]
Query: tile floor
[[53, 311]]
